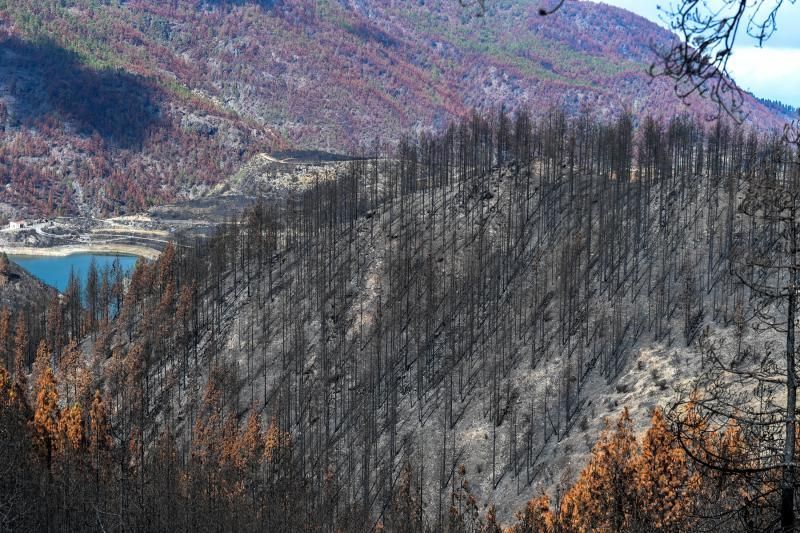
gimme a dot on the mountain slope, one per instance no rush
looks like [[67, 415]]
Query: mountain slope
[[446, 309], [18, 289], [111, 107]]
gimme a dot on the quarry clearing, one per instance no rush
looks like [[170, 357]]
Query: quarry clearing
[[63, 236], [266, 177]]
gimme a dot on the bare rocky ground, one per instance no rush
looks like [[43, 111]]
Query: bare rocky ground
[[63, 236]]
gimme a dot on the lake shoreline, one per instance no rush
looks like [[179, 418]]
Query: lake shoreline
[[58, 271], [73, 249]]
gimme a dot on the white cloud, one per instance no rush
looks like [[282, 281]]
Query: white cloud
[[787, 20], [768, 72]]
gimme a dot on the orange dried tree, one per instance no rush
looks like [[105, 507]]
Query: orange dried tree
[[631, 485]]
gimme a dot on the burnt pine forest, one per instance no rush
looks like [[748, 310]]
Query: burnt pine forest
[[410, 339]]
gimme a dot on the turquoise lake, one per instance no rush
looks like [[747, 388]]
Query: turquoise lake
[[55, 270]]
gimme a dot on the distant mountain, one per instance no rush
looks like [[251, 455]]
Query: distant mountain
[[779, 107], [110, 107]]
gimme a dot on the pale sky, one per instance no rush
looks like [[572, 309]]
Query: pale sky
[[769, 72]]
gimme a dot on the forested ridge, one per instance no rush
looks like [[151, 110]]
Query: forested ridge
[[407, 344], [113, 107]]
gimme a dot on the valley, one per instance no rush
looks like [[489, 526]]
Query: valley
[[375, 266]]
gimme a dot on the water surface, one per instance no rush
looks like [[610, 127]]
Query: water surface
[[55, 271]]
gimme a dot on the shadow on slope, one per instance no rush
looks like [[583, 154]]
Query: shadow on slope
[[44, 81]]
